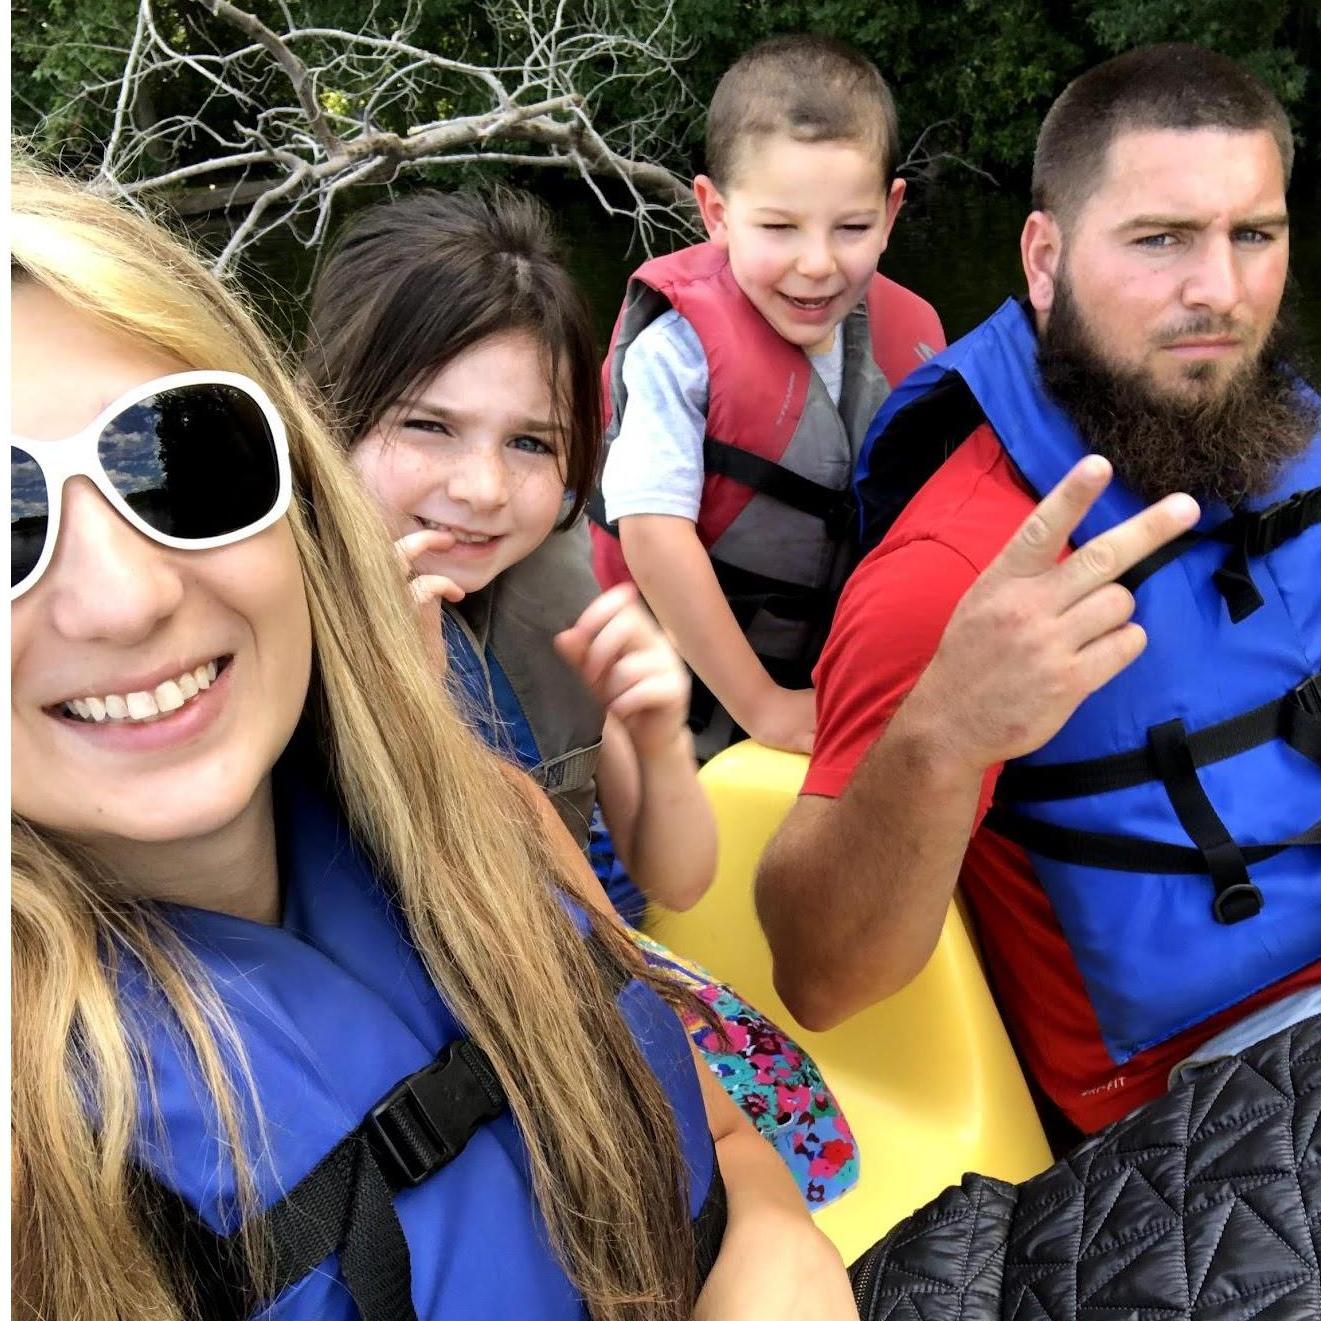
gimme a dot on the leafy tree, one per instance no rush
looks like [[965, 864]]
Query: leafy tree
[[1278, 40], [984, 70]]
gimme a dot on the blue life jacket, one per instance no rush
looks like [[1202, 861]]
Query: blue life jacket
[[1174, 820], [426, 1211], [489, 701]]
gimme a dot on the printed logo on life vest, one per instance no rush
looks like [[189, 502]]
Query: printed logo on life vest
[[788, 398], [1113, 1085]]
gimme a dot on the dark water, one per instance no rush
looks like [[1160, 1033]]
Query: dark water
[[957, 248]]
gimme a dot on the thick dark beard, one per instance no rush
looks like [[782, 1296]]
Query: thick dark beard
[[1229, 444]]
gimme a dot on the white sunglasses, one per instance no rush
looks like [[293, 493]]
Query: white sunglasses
[[194, 460]]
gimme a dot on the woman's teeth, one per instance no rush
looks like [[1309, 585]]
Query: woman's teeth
[[164, 698]]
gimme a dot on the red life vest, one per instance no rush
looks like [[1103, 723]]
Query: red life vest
[[776, 513], [758, 382]]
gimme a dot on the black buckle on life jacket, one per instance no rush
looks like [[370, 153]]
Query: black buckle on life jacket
[[1307, 696], [1236, 903], [426, 1121], [1272, 527]]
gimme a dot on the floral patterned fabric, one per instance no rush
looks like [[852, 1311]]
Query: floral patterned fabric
[[773, 1080]]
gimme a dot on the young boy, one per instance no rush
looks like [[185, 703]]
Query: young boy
[[743, 375]]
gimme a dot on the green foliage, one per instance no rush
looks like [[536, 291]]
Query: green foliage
[[984, 71], [994, 66], [67, 56], [989, 66], [59, 47], [1272, 38]]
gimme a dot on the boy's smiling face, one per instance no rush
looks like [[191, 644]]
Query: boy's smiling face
[[804, 224]]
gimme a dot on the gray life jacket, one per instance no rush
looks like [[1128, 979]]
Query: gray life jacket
[[513, 685]]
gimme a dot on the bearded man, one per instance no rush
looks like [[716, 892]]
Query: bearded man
[[1101, 716]]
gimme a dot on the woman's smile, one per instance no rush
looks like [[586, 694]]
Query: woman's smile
[[151, 687], [173, 713]]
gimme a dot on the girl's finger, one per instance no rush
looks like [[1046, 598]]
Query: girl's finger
[[606, 607], [655, 694], [428, 587], [571, 645], [414, 545], [626, 633], [628, 670]]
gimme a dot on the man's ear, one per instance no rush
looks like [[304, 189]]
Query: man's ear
[[893, 205], [1042, 249], [712, 206]]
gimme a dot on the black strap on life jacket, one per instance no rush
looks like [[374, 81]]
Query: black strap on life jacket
[[1171, 755], [1248, 533], [345, 1204], [835, 508], [1294, 718], [748, 592]]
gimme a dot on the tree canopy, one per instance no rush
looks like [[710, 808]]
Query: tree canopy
[[978, 74]]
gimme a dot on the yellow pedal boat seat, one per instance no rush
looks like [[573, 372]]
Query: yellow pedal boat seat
[[927, 1080]]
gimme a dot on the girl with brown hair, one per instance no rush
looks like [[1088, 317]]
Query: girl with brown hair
[[457, 356]]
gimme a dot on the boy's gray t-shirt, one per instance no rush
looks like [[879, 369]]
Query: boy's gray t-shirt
[[655, 462]]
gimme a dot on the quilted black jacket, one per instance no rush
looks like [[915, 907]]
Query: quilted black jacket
[[1203, 1206]]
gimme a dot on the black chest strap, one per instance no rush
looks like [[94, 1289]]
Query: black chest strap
[[1172, 755], [345, 1204], [836, 508], [1248, 533]]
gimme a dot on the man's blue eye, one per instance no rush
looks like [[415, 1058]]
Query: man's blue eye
[[1156, 241]]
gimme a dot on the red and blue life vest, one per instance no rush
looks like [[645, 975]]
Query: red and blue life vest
[[395, 1182], [777, 515], [1175, 819]]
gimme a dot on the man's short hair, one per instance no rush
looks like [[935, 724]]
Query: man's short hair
[[1173, 86], [808, 87]]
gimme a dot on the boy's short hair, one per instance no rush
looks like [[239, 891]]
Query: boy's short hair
[[808, 87], [1171, 86]]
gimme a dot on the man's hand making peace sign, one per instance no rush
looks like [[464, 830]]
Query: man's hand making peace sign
[[1040, 629]]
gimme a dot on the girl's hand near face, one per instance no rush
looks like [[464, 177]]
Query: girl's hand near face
[[628, 664], [428, 588], [646, 778]]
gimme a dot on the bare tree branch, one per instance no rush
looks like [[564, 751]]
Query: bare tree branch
[[296, 71], [322, 110], [126, 92], [920, 161]]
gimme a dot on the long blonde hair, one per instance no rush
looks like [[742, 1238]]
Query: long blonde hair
[[463, 850]]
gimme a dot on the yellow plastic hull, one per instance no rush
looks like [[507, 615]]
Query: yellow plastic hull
[[927, 1079]]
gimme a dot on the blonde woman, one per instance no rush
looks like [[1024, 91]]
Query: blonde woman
[[309, 1017]]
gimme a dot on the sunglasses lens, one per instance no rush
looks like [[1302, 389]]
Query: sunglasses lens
[[196, 461], [28, 510]]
